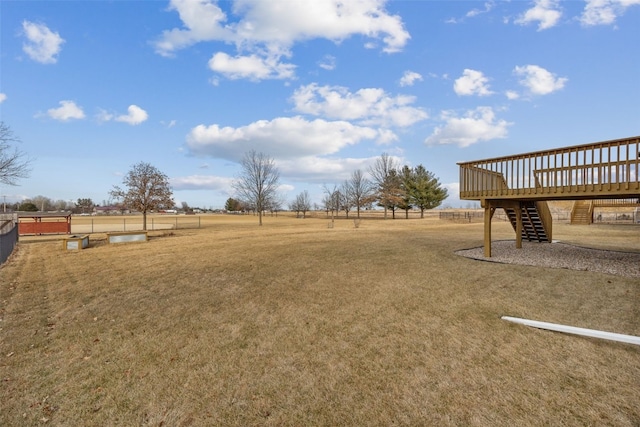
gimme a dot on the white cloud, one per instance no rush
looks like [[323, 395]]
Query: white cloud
[[545, 12], [328, 62], [511, 94], [282, 138], [250, 67], [103, 115], [453, 188], [323, 170], [266, 30], [197, 182], [42, 44], [538, 80], [453, 194], [474, 126], [487, 8], [285, 188], [68, 110], [472, 82], [3, 97], [203, 21], [135, 116], [409, 78], [386, 137], [283, 22], [369, 106], [605, 12]]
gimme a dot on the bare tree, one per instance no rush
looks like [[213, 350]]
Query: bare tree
[[392, 193], [294, 207], [61, 205], [381, 173], [276, 204], [42, 202], [147, 189], [13, 163], [345, 198], [327, 204], [361, 190], [258, 181], [84, 205], [248, 206], [331, 200], [302, 203]]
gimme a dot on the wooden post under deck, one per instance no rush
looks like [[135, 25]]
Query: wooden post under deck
[[519, 226], [488, 214]]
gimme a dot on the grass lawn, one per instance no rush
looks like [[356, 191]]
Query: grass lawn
[[298, 324]]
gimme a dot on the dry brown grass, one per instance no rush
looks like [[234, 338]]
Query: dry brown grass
[[296, 323]]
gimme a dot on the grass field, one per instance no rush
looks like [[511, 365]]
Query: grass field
[[300, 324]]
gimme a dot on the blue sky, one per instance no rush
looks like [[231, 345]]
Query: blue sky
[[323, 87]]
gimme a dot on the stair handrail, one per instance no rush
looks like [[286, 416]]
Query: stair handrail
[[545, 217], [481, 181]]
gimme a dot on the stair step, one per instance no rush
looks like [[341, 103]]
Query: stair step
[[532, 226]]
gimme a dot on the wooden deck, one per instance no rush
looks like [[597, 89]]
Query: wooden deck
[[607, 171]]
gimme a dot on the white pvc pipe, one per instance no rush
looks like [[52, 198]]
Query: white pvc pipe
[[629, 339]]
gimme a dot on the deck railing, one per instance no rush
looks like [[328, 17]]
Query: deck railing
[[616, 203], [607, 169]]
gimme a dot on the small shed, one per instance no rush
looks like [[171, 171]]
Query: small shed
[[37, 223]]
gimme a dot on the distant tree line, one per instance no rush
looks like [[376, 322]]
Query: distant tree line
[[46, 204], [41, 204], [147, 189], [387, 185], [390, 186]]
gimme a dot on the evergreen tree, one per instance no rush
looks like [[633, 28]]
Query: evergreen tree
[[232, 205], [407, 182], [426, 190]]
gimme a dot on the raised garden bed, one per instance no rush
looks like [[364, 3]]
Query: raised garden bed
[[127, 236], [76, 242]]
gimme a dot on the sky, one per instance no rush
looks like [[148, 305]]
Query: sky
[[323, 87]]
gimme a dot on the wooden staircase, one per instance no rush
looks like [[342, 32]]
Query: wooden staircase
[[582, 212], [533, 227]]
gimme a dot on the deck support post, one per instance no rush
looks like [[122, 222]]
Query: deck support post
[[488, 214], [518, 209]]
